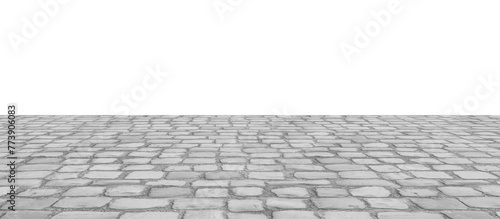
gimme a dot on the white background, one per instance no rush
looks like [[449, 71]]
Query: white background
[[265, 57]]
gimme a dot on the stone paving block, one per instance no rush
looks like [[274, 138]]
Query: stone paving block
[[86, 215], [231, 167], [345, 215], [412, 167], [116, 182], [61, 176], [68, 182], [76, 161], [409, 215], [418, 182], [223, 175], [126, 190], [304, 167], [212, 214], [205, 168], [145, 175], [82, 202], [245, 205], [282, 203], [266, 175], [331, 192], [212, 193], [367, 182], [346, 167], [371, 191], [102, 174], [29, 203], [183, 175], [333, 160], [34, 167], [245, 216], [464, 182], [459, 191], [247, 191], [210, 183], [395, 176], [248, 183], [138, 203], [199, 160], [468, 214], [431, 175], [316, 175], [106, 167], [447, 167], [482, 202], [298, 182], [178, 183], [29, 183], [170, 192], [158, 161], [338, 203], [384, 168], [387, 203], [33, 174], [493, 190], [139, 167], [291, 192], [198, 203], [150, 215], [418, 192], [27, 214], [294, 215], [84, 191], [442, 203], [37, 192], [474, 175]]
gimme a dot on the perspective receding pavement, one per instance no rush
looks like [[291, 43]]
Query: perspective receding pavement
[[255, 167]]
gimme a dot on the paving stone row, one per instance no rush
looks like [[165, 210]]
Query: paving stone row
[[264, 167]]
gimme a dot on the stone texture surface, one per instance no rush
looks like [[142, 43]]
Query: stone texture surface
[[264, 167]]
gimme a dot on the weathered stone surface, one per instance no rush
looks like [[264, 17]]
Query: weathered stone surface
[[263, 167]]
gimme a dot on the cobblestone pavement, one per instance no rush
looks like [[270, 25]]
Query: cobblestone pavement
[[256, 167]]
